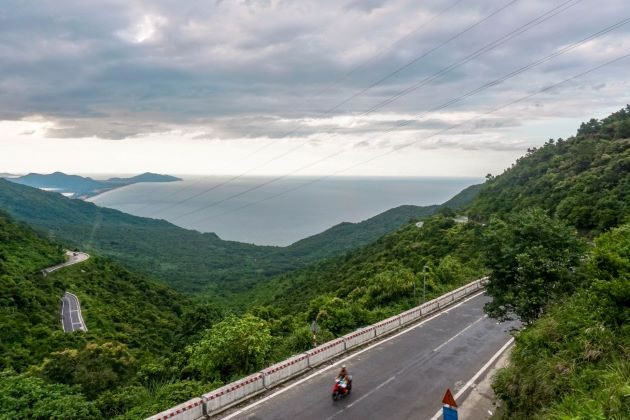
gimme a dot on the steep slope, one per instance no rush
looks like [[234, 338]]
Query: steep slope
[[116, 304], [128, 357], [187, 260], [584, 179], [382, 274], [348, 236], [380, 277]]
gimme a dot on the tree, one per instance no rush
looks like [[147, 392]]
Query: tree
[[96, 367], [234, 346], [532, 257], [26, 397]]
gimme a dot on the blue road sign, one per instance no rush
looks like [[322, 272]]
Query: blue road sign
[[449, 413]]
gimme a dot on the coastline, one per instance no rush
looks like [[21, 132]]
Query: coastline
[[91, 198]]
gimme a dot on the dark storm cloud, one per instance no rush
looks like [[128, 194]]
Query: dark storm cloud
[[116, 69]]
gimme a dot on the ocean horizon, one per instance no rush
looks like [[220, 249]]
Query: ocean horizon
[[280, 213]]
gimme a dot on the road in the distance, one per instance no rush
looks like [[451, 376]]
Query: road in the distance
[[403, 378], [73, 258], [71, 317]]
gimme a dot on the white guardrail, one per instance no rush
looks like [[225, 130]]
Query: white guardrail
[[236, 392]]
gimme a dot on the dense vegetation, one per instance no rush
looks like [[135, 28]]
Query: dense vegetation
[[187, 260], [135, 326], [550, 232], [383, 273], [574, 361], [584, 180], [147, 347]]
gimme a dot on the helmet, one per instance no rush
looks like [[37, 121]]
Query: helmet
[[343, 366]]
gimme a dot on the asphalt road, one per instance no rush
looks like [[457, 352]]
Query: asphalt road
[[401, 378], [71, 313], [73, 258]]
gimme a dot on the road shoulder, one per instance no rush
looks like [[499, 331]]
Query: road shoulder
[[481, 403]]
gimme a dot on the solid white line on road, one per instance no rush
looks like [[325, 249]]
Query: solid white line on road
[[363, 397], [323, 369], [457, 335], [63, 305], [478, 374]]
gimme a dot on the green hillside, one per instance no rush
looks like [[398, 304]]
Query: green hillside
[[135, 328], [349, 236], [571, 289], [187, 260], [584, 179], [397, 260]]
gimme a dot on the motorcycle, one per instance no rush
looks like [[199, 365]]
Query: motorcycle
[[341, 389]]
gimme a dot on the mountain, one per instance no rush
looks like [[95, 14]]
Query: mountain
[[83, 187], [128, 357], [584, 179], [187, 260], [347, 236], [571, 360], [61, 182], [145, 177]]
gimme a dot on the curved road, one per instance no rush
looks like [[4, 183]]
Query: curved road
[[71, 318], [402, 377], [73, 258]]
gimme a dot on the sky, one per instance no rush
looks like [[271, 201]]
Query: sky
[[300, 87]]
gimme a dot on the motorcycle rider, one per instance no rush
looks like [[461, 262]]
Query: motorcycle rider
[[345, 377]]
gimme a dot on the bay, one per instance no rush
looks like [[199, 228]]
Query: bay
[[280, 213]]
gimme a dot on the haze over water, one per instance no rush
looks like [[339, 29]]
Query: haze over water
[[281, 220]]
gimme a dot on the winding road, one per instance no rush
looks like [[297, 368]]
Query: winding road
[[71, 318], [402, 377], [73, 258]]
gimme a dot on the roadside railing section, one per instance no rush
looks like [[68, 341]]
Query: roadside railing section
[[236, 392]]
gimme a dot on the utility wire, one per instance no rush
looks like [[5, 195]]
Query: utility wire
[[471, 93], [391, 74], [528, 26], [379, 54]]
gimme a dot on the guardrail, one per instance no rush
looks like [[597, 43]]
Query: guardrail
[[229, 395]]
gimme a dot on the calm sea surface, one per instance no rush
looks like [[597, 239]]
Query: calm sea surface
[[258, 217]]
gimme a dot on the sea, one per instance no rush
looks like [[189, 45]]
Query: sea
[[269, 211]]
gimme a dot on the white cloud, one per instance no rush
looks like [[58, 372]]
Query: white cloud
[[230, 77]]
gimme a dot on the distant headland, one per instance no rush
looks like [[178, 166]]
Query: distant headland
[[75, 186]]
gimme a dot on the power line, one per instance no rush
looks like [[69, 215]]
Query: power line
[[391, 74], [326, 88], [501, 40], [492, 111]]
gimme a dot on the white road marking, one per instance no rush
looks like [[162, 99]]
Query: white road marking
[[324, 369], [363, 397], [63, 305], [457, 335], [477, 375]]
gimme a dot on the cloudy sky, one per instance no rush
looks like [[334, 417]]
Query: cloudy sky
[[347, 87]]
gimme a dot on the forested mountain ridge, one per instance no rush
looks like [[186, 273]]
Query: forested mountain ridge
[[134, 324], [572, 360], [584, 179], [187, 260], [80, 186], [348, 236]]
